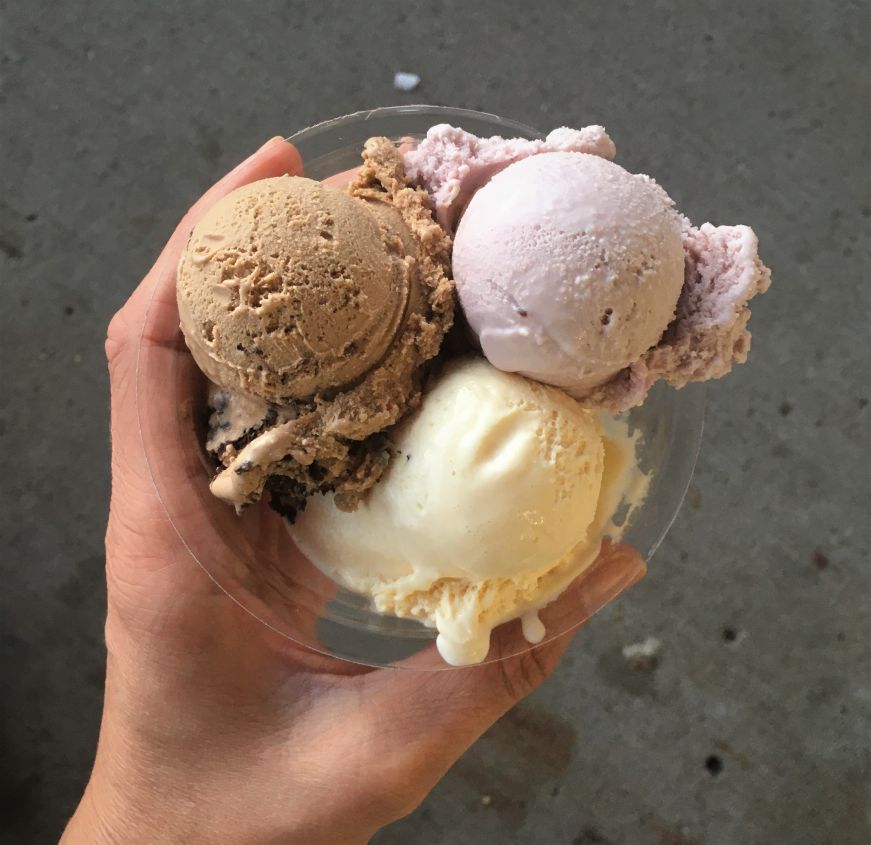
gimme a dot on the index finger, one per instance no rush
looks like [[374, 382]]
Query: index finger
[[343, 179], [276, 157]]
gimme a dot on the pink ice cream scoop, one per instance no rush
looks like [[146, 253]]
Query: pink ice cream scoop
[[574, 272], [452, 163], [568, 268]]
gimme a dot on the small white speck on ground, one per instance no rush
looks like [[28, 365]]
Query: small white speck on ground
[[644, 654], [405, 81], [486, 800]]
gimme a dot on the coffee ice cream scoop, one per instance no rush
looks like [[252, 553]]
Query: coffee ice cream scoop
[[288, 289], [314, 311]]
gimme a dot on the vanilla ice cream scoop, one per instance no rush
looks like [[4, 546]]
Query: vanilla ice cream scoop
[[568, 268], [488, 509]]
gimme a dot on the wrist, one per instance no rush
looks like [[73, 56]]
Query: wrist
[[179, 760], [106, 819], [113, 813], [143, 788], [145, 796], [86, 825]]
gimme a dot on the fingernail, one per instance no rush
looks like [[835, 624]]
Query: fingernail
[[615, 574], [260, 150]]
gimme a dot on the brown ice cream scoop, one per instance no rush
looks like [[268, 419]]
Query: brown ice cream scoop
[[319, 309], [289, 288]]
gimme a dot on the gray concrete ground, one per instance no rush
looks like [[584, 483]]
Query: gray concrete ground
[[754, 726]]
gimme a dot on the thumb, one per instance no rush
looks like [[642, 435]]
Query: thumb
[[154, 384], [148, 322]]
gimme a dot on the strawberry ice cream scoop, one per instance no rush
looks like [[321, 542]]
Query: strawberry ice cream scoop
[[574, 272], [452, 163], [709, 334], [568, 268]]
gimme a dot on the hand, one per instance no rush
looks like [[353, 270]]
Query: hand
[[215, 728]]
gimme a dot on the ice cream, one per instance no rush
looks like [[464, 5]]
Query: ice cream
[[568, 268], [497, 496], [313, 311], [476, 496], [287, 290], [577, 273], [452, 163]]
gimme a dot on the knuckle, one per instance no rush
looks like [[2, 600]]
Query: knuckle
[[405, 802], [399, 795], [395, 780], [524, 673], [118, 338]]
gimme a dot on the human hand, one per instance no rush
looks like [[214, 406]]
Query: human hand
[[217, 729]]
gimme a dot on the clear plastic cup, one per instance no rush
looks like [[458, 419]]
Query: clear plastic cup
[[251, 556]]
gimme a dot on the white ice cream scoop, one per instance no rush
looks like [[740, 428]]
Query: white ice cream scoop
[[496, 497]]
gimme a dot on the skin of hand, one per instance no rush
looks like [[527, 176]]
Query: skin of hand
[[216, 729]]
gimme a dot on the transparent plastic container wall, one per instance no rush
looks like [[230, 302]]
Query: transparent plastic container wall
[[251, 556]]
